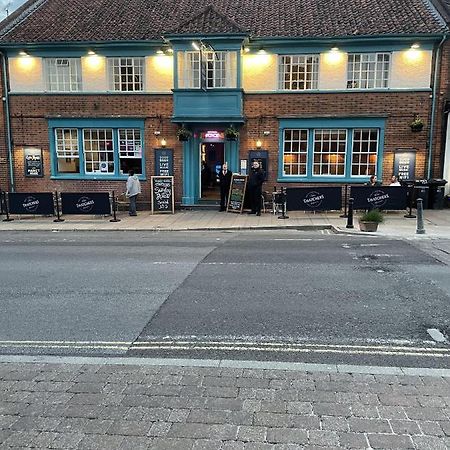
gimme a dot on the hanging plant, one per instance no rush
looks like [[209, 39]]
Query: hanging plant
[[183, 134], [231, 134], [416, 124]]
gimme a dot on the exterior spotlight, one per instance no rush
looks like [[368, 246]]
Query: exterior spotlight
[[157, 132], [258, 144], [335, 49], [23, 53], [261, 51], [415, 46], [91, 53], [266, 133], [246, 49], [169, 50], [196, 46], [163, 143], [159, 52]]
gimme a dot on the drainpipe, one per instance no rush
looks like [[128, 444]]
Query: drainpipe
[[8, 122], [433, 105]]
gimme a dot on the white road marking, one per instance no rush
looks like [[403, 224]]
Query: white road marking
[[437, 335]]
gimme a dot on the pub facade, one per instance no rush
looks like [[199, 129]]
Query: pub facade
[[321, 94]]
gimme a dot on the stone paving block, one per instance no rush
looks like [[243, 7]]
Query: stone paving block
[[156, 414], [130, 428], [83, 425], [425, 413], [87, 411], [203, 431], [44, 439], [316, 397], [367, 411], [369, 425], [211, 381], [160, 429], [431, 428], [67, 440], [86, 388], [260, 383], [347, 397], [224, 404], [277, 407], [172, 444], [390, 441], [101, 442], [113, 412], [429, 443], [7, 421], [445, 425], [21, 438], [405, 427], [289, 447], [252, 433], [258, 446], [391, 412], [369, 399], [398, 400], [136, 443], [431, 401], [333, 423], [323, 438], [35, 423], [252, 405], [287, 435], [331, 409], [4, 434], [289, 395], [259, 394], [353, 440], [178, 415], [232, 445], [287, 421], [223, 392], [206, 444], [205, 416], [191, 380], [299, 408]]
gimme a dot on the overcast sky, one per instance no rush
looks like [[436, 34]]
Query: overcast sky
[[10, 5]]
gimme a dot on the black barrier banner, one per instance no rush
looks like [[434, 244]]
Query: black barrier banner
[[31, 203], [387, 198], [96, 203], [314, 198]]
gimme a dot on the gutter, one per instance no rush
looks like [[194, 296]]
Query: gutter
[[5, 100], [436, 68]]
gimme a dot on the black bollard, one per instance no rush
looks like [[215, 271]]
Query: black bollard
[[350, 214], [58, 213], [420, 228], [283, 204], [114, 207], [410, 215], [8, 219], [345, 202]]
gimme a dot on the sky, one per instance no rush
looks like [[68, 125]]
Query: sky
[[9, 4]]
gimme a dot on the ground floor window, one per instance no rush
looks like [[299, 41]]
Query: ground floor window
[[330, 150], [91, 151]]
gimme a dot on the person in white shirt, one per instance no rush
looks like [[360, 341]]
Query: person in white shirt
[[394, 181], [133, 190]]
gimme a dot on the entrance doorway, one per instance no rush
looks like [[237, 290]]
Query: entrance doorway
[[212, 158]]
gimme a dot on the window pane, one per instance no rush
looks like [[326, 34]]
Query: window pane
[[127, 74], [368, 70], [63, 74], [299, 72], [295, 151], [364, 152], [329, 152], [98, 151]]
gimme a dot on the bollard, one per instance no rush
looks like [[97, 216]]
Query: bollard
[[58, 213], [283, 204], [420, 227], [350, 214], [114, 207], [8, 219], [410, 215], [344, 216]]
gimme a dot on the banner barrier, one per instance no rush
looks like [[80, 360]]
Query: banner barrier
[[95, 203], [31, 203], [381, 197], [314, 198]]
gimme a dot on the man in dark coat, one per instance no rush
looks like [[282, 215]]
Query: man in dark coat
[[255, 182], [224, 182]]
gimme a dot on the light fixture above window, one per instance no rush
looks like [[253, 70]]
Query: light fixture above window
[[258, 143], [196, 46], [23, 53], [415, 46], [163, 143], [169, 50], [91, 53], [160, 51], [246, 49], [261, 51]]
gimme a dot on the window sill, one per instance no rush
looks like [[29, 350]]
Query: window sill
[[94, 178], [324, 179]]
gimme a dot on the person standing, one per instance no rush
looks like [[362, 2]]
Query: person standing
[[224, 182], [255, 182], [133, 190]]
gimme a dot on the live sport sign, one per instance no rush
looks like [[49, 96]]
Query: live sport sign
[[387, 198], [314, 198]]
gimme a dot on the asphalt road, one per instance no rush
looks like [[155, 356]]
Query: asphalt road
[[279, 295]]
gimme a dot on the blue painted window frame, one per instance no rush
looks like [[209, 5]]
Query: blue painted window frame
[[349, 124], [80, 125]]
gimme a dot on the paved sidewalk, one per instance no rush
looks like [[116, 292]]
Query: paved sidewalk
[[89, 405], [437, 223]]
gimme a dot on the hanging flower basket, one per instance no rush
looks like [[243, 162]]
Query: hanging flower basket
[[183, 134], [417, 124], [231, 134]]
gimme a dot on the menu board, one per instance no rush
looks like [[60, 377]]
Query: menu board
[[164, 162], [237, 193], [162, 195], [405, 164], [33, 162]]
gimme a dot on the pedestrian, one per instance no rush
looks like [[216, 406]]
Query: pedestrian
[[133, 190], [255, 182], [394, 181], [224, 182], [373, 181]]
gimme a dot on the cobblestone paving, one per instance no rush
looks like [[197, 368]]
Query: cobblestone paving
[[143, 407]]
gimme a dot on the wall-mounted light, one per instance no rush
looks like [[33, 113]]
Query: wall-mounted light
[[258, 143], [261, 51], [266, 133], [196, 46], [157, 132], [163, 143], [25, 62], [159, 52], [334, 56], [334, 49], [91, 53], [23, 54], [415, 46], [169, 50], [246, 49], [413, 54]]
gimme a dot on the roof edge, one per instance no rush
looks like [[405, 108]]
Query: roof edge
[[435, 11]]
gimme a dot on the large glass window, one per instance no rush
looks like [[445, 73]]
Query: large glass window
[[130, 150], [329, 152], [208, 70], [63, 74], [295, 152], [98, 151], [298, 72], [365, 151], [126, 74], [67, 152], [368, 70]]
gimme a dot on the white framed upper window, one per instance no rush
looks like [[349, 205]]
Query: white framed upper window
[[330, 146], [98, 151], [298, 72], [295, 152], [126, 74], [63, 74], [368, 70], [130, 150], [67, 151]]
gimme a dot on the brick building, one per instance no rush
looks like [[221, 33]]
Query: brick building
[[322, 92]]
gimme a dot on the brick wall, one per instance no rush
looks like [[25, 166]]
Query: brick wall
[[4, 180], [30, 113]]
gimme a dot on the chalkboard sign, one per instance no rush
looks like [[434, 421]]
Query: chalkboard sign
[[95, 203], [163, 162], [237, 193], [33, 162], [162, 195], [405, 164]]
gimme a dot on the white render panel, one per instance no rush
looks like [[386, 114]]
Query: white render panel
[[260, 73], [333, 71], [159, 73], [411, 69], [26, 74], [93, 74]]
